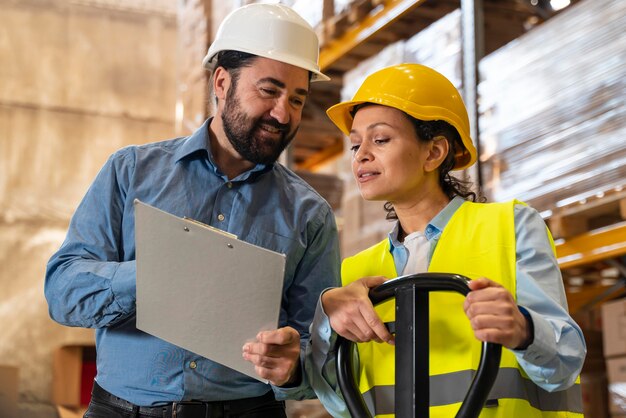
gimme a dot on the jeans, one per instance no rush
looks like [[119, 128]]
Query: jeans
[[106, 405]]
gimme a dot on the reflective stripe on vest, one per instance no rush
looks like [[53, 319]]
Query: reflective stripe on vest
[[478, 241], [451, 388]]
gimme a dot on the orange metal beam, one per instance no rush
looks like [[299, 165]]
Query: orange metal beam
[[337, 48], [313, 162], [600, 244]]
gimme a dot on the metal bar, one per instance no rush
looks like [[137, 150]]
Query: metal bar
[[337, 48], [412, 396], [473, 35], [592, 246]]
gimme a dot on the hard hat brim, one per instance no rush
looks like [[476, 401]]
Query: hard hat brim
[[209, 63]]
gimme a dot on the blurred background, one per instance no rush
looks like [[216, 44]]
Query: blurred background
[[544, 82]]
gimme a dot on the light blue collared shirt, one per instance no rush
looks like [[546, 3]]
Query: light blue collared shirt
[[90, 281], [555, 358]]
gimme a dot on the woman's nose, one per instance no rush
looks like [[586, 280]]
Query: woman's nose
[[362, 153]]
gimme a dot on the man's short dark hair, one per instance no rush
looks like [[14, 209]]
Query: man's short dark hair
[[234, 61]]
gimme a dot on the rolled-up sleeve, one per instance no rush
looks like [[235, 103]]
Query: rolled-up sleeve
[[318, 270], [321, 361], [88, 284], [555, 358]]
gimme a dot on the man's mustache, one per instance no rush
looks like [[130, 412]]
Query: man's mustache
[[283, 127]]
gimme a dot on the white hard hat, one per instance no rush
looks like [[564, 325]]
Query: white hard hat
[[272, 31]]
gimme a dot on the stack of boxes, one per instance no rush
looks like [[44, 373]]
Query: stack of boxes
[[614, 338], [552, 114]]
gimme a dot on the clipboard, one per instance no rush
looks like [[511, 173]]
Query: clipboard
[[203, 289]]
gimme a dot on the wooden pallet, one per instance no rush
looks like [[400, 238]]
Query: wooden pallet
[[337, 25], [591, 213]]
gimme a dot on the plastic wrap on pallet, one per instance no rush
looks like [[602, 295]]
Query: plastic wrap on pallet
[[390, 55], [617, 396], [553, 120], [616, 371], [341, 5], [439, 46], [310, 10]]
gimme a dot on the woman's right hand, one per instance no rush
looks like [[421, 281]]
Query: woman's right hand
[[352, 314]]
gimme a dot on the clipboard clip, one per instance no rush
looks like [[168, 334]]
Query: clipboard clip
[[212, 228]]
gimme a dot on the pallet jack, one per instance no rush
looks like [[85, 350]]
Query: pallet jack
[[412, 360]]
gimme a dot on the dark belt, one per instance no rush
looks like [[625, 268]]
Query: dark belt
[[186, 409]]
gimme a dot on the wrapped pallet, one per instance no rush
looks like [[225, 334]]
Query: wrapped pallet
[[553, 119], [439, 46], [310, 10]]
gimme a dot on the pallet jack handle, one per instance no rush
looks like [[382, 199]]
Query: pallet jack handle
[[412, 359]]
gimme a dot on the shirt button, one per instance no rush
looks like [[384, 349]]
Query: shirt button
[[192, 365], [229, 185], [220, 217]]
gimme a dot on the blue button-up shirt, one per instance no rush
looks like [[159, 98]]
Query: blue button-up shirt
[[556, 355], [90, 281]]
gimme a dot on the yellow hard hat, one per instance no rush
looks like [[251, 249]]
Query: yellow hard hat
[[417, 90], [272, 31]]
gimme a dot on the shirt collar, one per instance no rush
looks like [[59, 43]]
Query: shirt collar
[[199, 141], [434, 227]]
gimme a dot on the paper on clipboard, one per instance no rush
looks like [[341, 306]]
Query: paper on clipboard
[[202, 289]]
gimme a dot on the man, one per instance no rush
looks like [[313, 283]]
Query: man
[[225, 175]]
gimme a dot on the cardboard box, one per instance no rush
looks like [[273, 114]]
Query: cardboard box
[[594, 394], [589, 319], [595, 360], [616, 372], [71, 412], [614, 328], [8, 391], [73, 373]]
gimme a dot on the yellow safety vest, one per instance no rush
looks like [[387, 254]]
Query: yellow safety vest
[[479, 241]]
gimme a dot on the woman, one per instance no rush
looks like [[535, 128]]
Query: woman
[[409, 128]]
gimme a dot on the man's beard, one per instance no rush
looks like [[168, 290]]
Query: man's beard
[[239, 129]]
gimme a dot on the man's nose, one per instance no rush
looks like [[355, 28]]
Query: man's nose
[[280, 111]]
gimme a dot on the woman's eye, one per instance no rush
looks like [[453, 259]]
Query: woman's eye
[[354, 148], [380, 141]]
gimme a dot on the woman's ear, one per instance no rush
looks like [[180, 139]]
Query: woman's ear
[[438, 151], [221, 82]]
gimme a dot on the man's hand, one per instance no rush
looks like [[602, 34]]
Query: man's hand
[[494, 315], [275, 355], [352, 314]]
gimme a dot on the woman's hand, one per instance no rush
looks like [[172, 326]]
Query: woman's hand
[[495, 316], [352, 314]]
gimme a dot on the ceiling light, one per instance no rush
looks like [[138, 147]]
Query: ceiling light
[[559, 4]]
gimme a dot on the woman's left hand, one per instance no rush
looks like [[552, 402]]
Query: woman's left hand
[[495, 316]]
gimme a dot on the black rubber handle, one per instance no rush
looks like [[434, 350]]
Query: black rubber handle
[[488, 366]]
